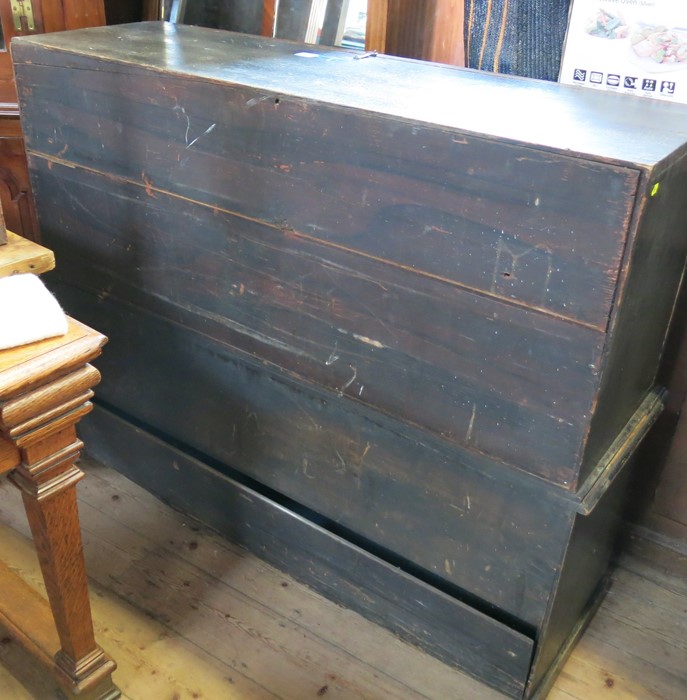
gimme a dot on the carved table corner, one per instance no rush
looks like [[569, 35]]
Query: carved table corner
[[45, 389]]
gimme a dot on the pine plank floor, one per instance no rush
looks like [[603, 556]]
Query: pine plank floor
[[188, 615]]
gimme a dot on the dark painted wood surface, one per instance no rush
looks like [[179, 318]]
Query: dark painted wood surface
[[448, 513], [466, 367], [499, 219], [593, 540], [602, 125], [648, 294], [418, 613], [430, 204]]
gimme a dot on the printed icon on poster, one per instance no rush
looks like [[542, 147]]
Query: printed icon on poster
[[636, 47]]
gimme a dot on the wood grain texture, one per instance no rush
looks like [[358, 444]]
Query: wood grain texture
[[3, 228], [499, 539], [410, 326], [27, 616], [415, 91], [23, 256], [447, 44], [431, 30], [36, 364], [263, 635], [83, 13], [269, 11], [34, 403], [657, 260], [465, 367], [486, 216], [54, 534], [9, 455], [376, 28], [15, 187], [447, 215], [43, 393]]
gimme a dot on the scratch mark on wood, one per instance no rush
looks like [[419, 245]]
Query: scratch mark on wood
[[369, 341], [148, 185], [349, 382], [207, 131], [342, 469], [257, 100], [333, 357], [305, 469], [549, 272], [303, 411], [52, 159], [240, 327], [471, 425], [179, 108], [77, 203], [499, 273]]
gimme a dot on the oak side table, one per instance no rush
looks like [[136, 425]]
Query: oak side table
[[45, 389]]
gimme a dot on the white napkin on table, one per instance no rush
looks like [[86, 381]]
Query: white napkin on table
[[28, 312]]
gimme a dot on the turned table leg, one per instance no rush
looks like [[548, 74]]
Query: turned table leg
[[39, 411]]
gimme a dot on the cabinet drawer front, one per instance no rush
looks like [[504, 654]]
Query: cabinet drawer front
[[536, 228], [496, 378], [460, 635], [451, 514]]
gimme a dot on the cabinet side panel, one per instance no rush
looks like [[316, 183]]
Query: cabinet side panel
[[644, 306], [582, 576]]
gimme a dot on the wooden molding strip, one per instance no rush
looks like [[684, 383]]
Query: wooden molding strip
[[620, 451]]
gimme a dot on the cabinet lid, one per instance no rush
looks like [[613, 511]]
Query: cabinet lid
[[607, 126]]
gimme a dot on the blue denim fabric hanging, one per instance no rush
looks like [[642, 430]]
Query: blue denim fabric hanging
[[519, 37]]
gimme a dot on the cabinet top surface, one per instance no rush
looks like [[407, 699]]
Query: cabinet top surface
[[601, 125]]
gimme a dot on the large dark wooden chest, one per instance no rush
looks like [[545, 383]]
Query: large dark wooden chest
[[394, 325]]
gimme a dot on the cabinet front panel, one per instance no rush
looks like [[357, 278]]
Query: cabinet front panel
[[447, 513], [538, 229], [496, 378]]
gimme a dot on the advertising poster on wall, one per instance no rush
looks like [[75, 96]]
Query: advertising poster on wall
[[637, 47]]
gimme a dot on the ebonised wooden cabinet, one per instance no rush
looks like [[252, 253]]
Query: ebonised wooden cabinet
[[394, 325]]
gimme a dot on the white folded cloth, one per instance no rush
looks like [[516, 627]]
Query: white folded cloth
[[28, 312]]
